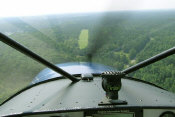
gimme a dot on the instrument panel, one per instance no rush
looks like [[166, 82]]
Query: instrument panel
[[113, 113]]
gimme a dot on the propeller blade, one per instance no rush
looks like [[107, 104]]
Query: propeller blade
[[99, 40]]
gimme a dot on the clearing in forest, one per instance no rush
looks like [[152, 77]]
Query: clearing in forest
[[83, 39]]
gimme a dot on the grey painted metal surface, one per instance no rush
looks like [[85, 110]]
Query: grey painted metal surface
[[62, 94], [72, 68]]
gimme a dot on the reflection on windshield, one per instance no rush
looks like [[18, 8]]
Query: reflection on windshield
[[116, 39]]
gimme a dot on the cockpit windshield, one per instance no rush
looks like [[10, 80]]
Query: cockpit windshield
[[115, 33]]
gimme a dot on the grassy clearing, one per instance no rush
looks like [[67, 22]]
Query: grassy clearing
[[83, 39]]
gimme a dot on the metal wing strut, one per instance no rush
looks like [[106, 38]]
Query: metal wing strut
[[34, 56]]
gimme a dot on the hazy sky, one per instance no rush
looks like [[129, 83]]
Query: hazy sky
[[39, 7]]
